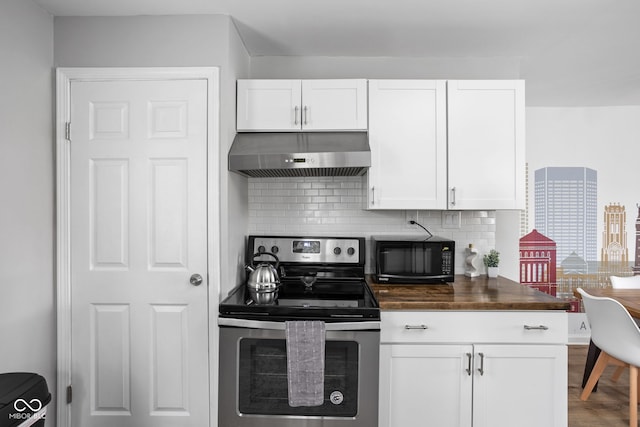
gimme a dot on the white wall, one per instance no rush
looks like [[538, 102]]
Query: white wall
[[166, 41], [27, 290], [606, 139], [141, 41], [234, 224], [508, 243], [314, 67]]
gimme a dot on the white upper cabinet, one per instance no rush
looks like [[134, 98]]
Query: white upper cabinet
[[408, 140], [334, 104], [268, 105], [456, 144], [486, 144], [295, 105]]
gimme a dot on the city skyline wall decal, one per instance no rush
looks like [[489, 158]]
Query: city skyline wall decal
[[561, 252]]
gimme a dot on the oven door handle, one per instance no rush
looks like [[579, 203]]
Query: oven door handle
[[329, 326]]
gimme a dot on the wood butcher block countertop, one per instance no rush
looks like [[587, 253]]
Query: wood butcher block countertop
[[478, 293]]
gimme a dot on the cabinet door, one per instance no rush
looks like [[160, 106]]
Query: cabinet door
[[521, 385], [268, 105], [425, 385], [408, 139], [334, 104], [486, 144]]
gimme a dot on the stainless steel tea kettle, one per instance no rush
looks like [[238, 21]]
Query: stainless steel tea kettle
[[263, 281]]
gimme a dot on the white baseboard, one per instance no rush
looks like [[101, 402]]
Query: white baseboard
[[578, 340], [579, 331]]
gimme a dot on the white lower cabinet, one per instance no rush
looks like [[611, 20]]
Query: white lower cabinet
[[521, 385], [424, 385], [434, 375]]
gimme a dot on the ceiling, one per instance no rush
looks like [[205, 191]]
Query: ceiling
[[571, 52]]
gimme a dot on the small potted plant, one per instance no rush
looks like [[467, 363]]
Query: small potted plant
[[491, 261]]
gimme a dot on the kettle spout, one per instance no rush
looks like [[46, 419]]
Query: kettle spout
[[249, 269]]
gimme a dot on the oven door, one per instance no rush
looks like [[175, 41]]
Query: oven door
[[253, 386]]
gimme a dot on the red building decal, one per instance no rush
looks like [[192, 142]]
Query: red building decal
[[538, 262]]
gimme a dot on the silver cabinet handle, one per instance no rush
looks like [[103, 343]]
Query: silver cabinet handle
[[416, 327], [373, 196], [453, 196], [469, 359], [481, 368], [295, 115], [306, 113], [539, 327], [195, 279]]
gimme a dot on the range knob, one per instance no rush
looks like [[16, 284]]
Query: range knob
[[275, 249], [337, 251], [261, 249], [351, 251]]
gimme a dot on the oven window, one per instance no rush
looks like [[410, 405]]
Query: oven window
[[263, 387]]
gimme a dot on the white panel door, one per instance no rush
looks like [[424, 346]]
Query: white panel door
[[520, 385], [486, 144], [334, 104], [268, 105], [408, 139], [425, 385], [138, 233]]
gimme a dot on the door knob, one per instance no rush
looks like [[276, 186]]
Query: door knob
[[195, 279]]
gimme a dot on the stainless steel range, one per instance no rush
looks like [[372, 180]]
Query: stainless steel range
[[321, 279]]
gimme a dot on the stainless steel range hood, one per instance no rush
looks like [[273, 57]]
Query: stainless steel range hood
[[300, 154]]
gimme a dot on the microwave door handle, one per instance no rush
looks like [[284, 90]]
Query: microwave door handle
[[424, 261], [419, 265], [414, 260]]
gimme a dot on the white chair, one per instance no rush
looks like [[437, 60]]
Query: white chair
[[617, 282], [615, 332], [628, 282], [624, 282]]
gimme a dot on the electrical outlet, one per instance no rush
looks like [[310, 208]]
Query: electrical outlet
[[451, 219], [410, 216]]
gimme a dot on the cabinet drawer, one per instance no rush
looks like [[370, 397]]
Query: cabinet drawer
[[525, 327]]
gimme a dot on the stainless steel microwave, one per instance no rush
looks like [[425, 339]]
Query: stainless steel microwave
[[408, 259]]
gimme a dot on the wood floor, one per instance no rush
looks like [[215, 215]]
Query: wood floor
[[606, 407]]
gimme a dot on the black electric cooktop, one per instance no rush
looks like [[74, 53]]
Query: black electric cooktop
[[322, 278], [330, 301]]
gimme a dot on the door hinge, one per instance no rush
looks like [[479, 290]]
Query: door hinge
[[69, 394], [67, 131]]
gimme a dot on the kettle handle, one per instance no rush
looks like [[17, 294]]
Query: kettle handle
[[257, 254]]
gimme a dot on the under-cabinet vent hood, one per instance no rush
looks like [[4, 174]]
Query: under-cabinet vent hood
[[287, 154]]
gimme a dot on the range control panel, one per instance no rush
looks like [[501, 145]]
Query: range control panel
[[333, 250]]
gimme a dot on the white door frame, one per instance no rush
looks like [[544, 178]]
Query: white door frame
[[64, 77]]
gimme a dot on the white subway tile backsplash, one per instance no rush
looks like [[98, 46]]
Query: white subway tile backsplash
[[337, 206]]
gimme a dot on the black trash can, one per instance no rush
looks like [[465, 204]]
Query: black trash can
[[24, 397]]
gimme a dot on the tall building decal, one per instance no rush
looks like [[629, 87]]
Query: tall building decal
[[614, 253], [636, 265], [524, 214], [566, 208]]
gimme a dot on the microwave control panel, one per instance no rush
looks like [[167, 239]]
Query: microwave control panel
[[447, 262]]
